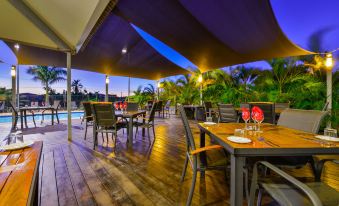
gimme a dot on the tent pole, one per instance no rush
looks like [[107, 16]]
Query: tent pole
[[329, 93], [129, 87], [69, 96], [17, 85], [13, 74], [106, 84]]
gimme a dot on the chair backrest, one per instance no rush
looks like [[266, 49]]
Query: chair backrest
[[168, 104], [132, 106], [56, 104], [190, 144], [244, 105], [104, 114], [12, 107], [34, 104], [304, 120], [87, 108], [282, 105], [159, 105], [152, 112], [227, 113], [74, 104], [268, 108], [2, 105], [208, 106]]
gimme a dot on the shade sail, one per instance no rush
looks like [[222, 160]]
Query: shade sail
[[54, 24], [212, 34], [103, 54]]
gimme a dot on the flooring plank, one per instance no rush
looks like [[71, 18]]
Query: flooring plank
[[49, 192]]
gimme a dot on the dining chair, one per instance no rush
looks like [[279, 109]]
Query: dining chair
[[88, 116], [287, 190], [54, 108], [227, 113], [16, 116], [132, 106], [105, 121], [268, 108], [209, 112], [192, 156], [74, 105], [282, 106], [167, 108], [303, 120], [244, 105], [159, 108], [147, 123]]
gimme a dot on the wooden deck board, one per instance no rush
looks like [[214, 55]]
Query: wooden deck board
[[146, 174]]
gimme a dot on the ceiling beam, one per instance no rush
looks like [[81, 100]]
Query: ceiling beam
[[25, 10]]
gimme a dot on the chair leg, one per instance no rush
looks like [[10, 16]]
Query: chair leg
[[148, 135], [102, 136], [184, 170], [107, 137], [115, 139], [95, 139], [42, 116], [33, 119], [86, 130], [153, 132], [194, 178], [57, 116], [136, 131], [259, 197]]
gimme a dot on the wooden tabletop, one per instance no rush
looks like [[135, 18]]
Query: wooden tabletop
[[19, 175], [274, 140], [129, 114]]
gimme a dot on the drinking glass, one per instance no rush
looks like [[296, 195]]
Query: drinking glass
[[330, 132], [259, 118], [245, 116], [116, 105], [254, 116]]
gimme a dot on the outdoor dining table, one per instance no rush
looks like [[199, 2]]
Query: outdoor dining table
[[23, 113], [20, 175], [272, 141], [130, 115]]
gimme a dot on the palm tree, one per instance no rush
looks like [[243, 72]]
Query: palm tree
[[149, 90], [47, 76], [76, 86]]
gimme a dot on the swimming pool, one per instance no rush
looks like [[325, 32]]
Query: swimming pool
[[38, 117]]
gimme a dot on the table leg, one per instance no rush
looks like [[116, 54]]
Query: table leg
[[237, 180], [25, 114], [203, 160], [130, 132], [143, 122], [52, 116], [22, 119]]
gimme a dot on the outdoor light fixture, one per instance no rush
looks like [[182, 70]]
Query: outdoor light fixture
[[124, 50], [329, 60], [13, 72], [200, 78], [159, 84], [107, 79], [17, 46]]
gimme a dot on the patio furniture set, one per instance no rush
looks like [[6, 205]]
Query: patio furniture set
[[289, 142]]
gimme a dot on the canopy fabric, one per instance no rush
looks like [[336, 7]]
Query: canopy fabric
[[53, 24], [212, 34], [103, 54]]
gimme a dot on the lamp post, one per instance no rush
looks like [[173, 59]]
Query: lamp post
[[13, 75], [107, 83], [200, 82], [158, 88], [17, 47], [329, 65], [124, 51]]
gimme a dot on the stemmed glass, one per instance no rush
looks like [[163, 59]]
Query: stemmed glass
[[254, 116], [259, 118], [121, 106], [125, 106], [245, 115], [116, 105]]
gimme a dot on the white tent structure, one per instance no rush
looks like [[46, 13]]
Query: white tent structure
[[61, 25]]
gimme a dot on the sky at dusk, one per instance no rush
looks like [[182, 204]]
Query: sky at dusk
[[298, 20]]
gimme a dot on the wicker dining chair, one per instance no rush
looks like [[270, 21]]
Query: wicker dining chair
[[149, 123], [55, 108], [192, 156], [132, 106], [227, 113], [105, 121], [287, 190], [88, 116], [167, 108]]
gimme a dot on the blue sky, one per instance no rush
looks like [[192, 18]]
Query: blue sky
[[298, 19]]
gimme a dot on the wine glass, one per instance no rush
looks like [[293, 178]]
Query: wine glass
[[121, 106], [259, 118], [245, 116], [254, 116], [116, 105], [125, 106]]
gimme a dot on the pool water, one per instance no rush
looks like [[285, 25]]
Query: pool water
[[38, 117]]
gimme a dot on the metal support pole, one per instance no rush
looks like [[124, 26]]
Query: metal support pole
[[329, 93], [106, 84], [13, 94], [69, 97], [17, 85], [200, 94], [129, 87]]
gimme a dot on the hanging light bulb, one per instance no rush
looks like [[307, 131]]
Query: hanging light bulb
[[329, 60], [200, 78], [107, 79], [17, 46], [124, 51], [13, 72]]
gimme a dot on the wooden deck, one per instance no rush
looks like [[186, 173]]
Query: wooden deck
[[71, 173]]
